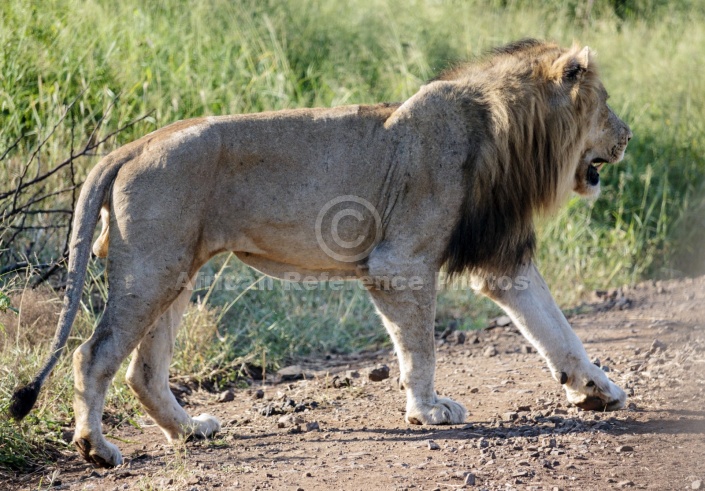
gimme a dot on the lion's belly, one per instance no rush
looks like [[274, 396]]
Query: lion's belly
[[280, 244], [293, 272]]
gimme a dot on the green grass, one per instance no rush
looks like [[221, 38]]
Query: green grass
[[177, 59]]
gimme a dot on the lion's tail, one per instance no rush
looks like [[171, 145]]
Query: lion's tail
[[90, 201]]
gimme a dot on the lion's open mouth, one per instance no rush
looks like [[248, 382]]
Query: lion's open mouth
[[593, 171]]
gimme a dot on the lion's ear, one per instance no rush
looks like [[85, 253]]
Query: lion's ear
[[572, 66]]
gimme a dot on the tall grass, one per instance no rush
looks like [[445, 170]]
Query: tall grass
[[181, 59], [184, 59]]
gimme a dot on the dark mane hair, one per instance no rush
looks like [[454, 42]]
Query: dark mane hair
[[526, 119], [517, 46]]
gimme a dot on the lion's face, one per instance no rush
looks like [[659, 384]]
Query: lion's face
[[606, 142]]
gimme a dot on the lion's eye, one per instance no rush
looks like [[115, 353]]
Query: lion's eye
[[591, 384]]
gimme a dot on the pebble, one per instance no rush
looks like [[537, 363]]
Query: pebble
[[226, 396], [490, 351], [658, 346], [379, 373], [340, 383], [527, 349], [313, 426], [698, 484], [453, 337], [469, 479], [625, 484], [503, 320], [459, 337], [259, 394], [291, 373], [433, 445], [625, 448]]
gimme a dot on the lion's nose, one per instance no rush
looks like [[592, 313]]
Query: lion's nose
[[629, 134]]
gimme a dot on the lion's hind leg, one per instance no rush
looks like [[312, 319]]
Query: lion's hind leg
[[148, 377], [95, 363], [140, 292]]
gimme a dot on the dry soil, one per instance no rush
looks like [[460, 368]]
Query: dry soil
[[337, 429]]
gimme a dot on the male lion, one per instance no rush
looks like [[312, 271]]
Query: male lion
[[453, 177]]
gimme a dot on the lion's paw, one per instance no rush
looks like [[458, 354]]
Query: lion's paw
[[100, 454], [443, 411], [205, 425], [590, 389]]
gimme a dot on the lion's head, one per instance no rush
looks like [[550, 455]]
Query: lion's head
[[606, 143], [540, 129]]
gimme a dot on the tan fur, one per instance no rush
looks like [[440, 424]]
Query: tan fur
[[453, 176]]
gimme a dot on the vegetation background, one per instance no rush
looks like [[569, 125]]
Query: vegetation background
[[74, 72]]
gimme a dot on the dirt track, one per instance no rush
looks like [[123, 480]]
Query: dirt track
[[519, 433]]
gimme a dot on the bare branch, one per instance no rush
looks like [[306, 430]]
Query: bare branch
[[53, 269], [41, 144], [23, 209], [11, 147], [82, 153], [23, 265], [36, 227], [47, 212], [33, 226]]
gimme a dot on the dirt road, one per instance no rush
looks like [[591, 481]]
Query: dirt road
[[342, 431]]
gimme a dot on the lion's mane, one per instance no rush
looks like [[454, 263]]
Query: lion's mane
[[526, 141]]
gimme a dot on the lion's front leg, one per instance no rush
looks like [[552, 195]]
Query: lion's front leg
[[407, 304], [532, 308]]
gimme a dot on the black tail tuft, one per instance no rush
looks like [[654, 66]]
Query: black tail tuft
[[23, 400]]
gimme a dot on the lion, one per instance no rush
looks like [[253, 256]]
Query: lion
[[451, 179]]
